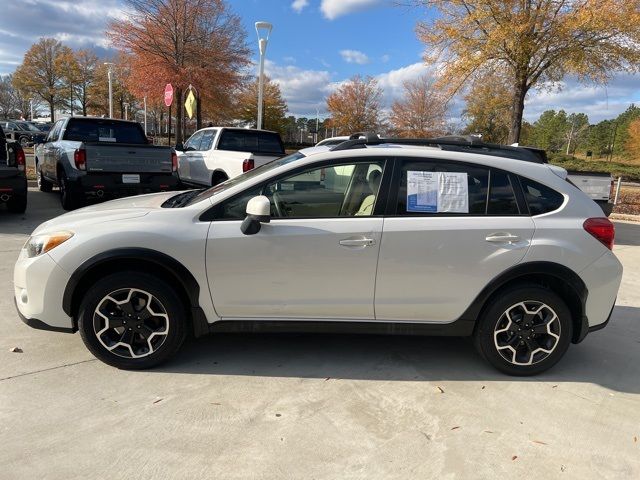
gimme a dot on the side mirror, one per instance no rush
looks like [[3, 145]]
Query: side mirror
[[258, 212], [180, 147]]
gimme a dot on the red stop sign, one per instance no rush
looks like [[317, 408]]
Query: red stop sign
[[168, 95]]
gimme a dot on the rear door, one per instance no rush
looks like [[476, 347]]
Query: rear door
[[450, 229]]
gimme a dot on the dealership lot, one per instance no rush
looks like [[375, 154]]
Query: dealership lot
[[304, 406]]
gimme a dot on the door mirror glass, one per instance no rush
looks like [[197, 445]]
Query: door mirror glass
[[179, 147], [258, 212]]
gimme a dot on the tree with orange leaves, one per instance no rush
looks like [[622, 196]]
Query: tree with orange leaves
[[355, 106], [633, 139], [183, 42], [421, 110]]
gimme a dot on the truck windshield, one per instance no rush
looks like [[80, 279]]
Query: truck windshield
[[104, 130], [254, 141]]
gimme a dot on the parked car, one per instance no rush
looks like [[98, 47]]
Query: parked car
[[436, 237], [43, 127], [13, 178], [101, 158], [24, 132], [214, 155]]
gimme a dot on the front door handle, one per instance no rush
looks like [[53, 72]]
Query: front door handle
[[357, 242], [502, 238]]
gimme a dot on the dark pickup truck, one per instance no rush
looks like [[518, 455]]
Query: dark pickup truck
[[13, 178], [102, 158]]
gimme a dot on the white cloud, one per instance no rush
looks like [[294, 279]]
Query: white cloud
[[392, 82], [354, 56], [333, 9], [299, 5]]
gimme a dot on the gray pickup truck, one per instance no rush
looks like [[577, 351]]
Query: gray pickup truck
[[100, 158]]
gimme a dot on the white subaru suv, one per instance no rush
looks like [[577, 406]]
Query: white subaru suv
[[446, 236]]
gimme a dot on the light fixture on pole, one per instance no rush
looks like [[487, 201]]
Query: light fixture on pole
[[109, 74], [263, 29]]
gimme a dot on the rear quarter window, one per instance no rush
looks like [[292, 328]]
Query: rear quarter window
[[540, 198], [251, 141]]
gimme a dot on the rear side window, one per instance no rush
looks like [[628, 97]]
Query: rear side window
[[540, 198], [430, 187], [251, 141], [502, 198]]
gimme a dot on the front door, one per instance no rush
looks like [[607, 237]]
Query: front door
[[317, 257], [452, 229]]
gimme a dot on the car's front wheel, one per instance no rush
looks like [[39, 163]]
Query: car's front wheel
[[132, 320], [525, 331]]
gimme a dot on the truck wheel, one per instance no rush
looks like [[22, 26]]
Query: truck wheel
[[24, 141], [218, 178], [44, 185], [132, 320], [17, 204], [68, 197]]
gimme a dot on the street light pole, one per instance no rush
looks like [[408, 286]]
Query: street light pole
[[31, 109], [109, 74], [263, 29], [126, 110], [145, 115]]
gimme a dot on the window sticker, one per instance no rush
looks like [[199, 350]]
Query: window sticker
[[434, 192], [422, 191]]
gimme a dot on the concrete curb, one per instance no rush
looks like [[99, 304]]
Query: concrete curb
[[625, 217]]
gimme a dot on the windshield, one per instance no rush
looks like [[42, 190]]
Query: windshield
[[104, 130], [29, 127], [245, 177]]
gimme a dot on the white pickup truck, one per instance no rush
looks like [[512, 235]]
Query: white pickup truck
[[215, 154]]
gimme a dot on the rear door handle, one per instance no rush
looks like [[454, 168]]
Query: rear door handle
[[502, 238], [357, 242]]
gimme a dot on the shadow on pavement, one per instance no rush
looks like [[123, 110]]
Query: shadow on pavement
[[627, 234], [610, 357], [40, 208]]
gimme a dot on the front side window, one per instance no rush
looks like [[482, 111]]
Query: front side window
[[345, 190], [207, 140], [55, 131], [441, 188], [540, 198], [194, 142]]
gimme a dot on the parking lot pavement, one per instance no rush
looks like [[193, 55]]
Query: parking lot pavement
[[324, 406]]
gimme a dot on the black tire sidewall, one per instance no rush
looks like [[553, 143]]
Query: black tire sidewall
[[17, 204], [68, 197], [165, 294], [484, 333]]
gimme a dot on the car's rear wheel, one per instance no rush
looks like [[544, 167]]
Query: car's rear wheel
[[218, 177], [524, 331], [44, 185], [132, 320], [24, 142]]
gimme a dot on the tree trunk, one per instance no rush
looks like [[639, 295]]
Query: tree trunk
[[52, 109], [179, 130], [517, 109]]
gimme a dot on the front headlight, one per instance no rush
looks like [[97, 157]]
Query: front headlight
[[39, 244]]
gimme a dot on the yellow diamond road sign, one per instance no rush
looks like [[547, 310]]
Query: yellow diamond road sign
[[190, 103]]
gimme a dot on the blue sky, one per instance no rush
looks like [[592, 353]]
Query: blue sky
[[315, 45]]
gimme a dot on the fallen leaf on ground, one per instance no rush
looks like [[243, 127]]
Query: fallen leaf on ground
[[440, 389], [278, 414], [514, 457], [328, 378], [539, 442], [562, 468], [215, 403], [483, 387], [635, 439], [488, 431], [158, 400], [554, 386], [15, 350], [455, 428]]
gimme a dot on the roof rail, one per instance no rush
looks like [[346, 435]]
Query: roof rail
[[458, 143]]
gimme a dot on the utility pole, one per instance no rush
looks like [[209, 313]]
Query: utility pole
[[109, 75], [263, 29], [145, 115]]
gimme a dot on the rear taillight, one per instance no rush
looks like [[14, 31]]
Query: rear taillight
[[80, 158], [20, 159], [248, 165], [174, 162], [602, 229]]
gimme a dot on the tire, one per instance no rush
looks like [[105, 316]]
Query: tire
[[68, 196], [17, 204], [518, 341], [152, 340], [217, 178], [24, 141], [44, 185]]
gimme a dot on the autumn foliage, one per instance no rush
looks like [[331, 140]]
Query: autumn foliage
[[274, 114], [183, 42], [355, 106], [421, 110]]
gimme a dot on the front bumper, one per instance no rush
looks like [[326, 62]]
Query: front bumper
[[38, 289]]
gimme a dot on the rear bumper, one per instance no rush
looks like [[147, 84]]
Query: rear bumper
[[111, 185], [602, 279], [12, 186]]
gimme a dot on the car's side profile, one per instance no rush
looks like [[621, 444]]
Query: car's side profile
[[338, 239]]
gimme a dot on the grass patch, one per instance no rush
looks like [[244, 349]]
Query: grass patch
[[628, 171]]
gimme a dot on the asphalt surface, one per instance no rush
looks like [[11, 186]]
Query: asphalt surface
[[315, 406]]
